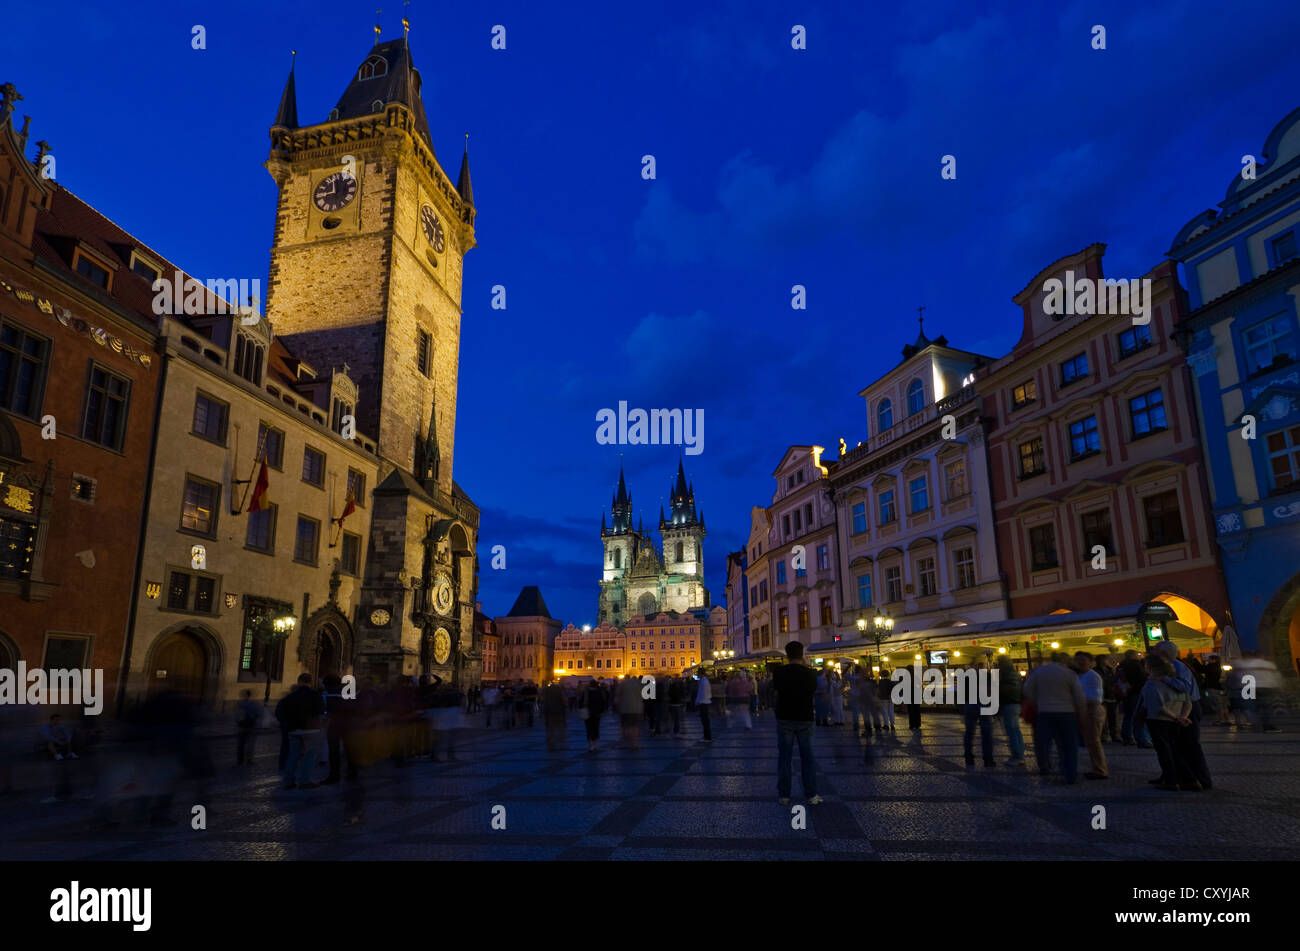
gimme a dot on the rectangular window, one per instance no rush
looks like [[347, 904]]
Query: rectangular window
[[1269, 343], [893, 584], [307, 540], [1283, 248], [1147, 413], [1024, 394], [106, 402], [1084, 438], [423, 343], [954, 475], [92, 271], [1284, 458], [753, 594], [210, 419], [351, 554], [1075, 368], [963, 563], [261, 530], [803, 616], [826, 611], [1134, 339], [927, 576], [1096, 531], [823, 558], [63, 652], [859, 518], [784, 620], [864, 591], [762, 590], [261, 655], [1042, 547], [340, 410], [138, 266], [271, 442], [178, 591], [199, 506], [807, 515], [920, 495], [798, 526], [1164, 521], [887, 511], [248, 359], [785, 525], [313, 467], [1032, 462], [191, 592], [24, 359], [780, 571], [17, 544], [357, 487]]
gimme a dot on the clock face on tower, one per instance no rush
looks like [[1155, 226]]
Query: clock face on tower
[[432, 229], [441, 646], [442, 594], [335, 191]]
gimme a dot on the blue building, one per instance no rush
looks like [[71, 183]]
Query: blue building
[[1241, 268]]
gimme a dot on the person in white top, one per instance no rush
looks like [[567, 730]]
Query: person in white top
[[703, 700], [1094, 719]]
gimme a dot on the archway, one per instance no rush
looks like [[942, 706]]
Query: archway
[[646, 605], [329, 652], [1279, 628], [1196, 629], [8, 653], [179, 663]]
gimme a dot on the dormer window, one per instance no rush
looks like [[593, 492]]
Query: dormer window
[[248, 359], [374, 67], [142, 267], [377, 105], [91, 271]]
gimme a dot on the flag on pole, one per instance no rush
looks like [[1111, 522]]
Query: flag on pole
[[348, 509], [260, 501]]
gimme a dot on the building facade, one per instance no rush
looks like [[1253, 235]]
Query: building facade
[[599, 652], [1096, 475], [737, 606], [912, 502], [671, 642], [640, 579], [1241, 266], [79, 379], [526, 639], [366, 273], [759, 608]]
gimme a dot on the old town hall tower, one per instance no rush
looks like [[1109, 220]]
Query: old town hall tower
[[365, 286]]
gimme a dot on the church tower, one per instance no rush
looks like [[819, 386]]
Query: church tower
[[366, 270], [683, 546], [624, 546]]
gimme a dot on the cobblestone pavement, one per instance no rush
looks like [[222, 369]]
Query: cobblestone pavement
[[679, 798]]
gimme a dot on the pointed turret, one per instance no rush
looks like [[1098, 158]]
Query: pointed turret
[[682, 500], [386, 76], [432, 456], [463, 186], [286, 117], [621, 507], [602, 523]]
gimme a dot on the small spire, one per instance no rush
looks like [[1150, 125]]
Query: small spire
[[406, 24], [377, 30], [286, 116], [463, 186]]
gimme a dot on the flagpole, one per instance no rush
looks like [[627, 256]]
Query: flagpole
[[257, 457]]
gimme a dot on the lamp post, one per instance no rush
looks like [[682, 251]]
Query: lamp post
[[270, 632], [1153, 622], [884, 626]]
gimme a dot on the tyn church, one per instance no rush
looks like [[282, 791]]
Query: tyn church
[[640, 580]]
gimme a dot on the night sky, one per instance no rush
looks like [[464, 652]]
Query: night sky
[[775, 167]]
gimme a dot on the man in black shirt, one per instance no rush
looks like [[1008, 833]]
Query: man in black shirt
[[794, 684]]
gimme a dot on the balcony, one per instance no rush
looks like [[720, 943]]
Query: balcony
[[912, 423]]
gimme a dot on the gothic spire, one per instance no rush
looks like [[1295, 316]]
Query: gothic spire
[[286, 117], [463, 186], [432, 455]]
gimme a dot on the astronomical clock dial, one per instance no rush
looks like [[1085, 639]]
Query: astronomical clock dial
[[441, 646], [432, 229], [335, 191], [380, 618], [443, 596]]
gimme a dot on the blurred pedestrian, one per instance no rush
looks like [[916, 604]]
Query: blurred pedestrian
[[975, 715], [248, 713], [302, 711], [1094, 718], [553, 707], [703, 701], [1009, 696], [1054, 690], [592, 702]]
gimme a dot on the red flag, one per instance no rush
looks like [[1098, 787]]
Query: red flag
[[260, 501], [348, 509]]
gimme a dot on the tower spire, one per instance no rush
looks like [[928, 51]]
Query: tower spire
[[463, 186], [432, 455], [377, 30], [286, 116]]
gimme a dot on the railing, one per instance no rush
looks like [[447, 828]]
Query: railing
[[911, 424]]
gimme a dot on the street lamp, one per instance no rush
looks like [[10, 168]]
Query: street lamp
[[883, 624], [1153, 621], [270, 632]]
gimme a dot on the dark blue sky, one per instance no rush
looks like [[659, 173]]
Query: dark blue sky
[[775, 167]]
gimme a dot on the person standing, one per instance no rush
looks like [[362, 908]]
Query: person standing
[[855, 697], [1094, 720], [795, 685], [490, 696], [703, 701], [1167, 712], [303, 709], [247, 715], [835, 686], [1183, 679], [974, 715], [1054, 689], [631, 708], [676, 703], [1128, 685], [553, 707], [1268, 683], [1106, 670], [1216, 706], [822, 700], [1009, 689], [885, 702], [591, 704], [738, 699]]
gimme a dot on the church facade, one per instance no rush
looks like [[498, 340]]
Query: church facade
[[640, 579]]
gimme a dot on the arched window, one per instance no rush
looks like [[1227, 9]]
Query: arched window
[[915, 397], [884, 416], [373, 67], [679, 551]]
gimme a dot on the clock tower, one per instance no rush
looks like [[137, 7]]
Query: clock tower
[[366, 269]]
